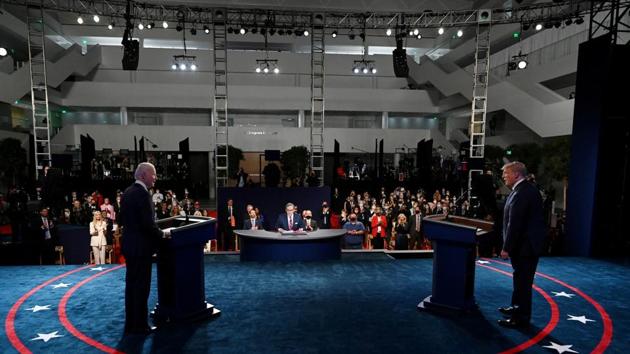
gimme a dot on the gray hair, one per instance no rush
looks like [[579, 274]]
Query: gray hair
[[517, 167], [142, 168], [289, 205]]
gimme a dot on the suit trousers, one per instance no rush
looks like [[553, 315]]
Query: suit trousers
[[523, 279], [137, 287]]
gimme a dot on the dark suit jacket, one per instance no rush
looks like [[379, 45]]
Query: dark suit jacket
[[247, 224], [283, 222], [524, 229], [140, 232], [314, 225]]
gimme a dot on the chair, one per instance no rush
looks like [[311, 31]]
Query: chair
[[60, 258]]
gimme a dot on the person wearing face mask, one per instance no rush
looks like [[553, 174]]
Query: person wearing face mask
[[355, 232], [325, 216], [415, 231], [379, 229], [309, 223]]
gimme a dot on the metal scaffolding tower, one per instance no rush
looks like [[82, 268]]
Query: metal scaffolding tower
[[220, 102], [39, 86], [477, 129], [317, 97]]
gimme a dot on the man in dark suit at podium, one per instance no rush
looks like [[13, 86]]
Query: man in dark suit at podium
[[523, 241], [290, 221], [139, 242]]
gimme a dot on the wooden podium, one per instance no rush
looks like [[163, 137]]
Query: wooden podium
[[180, 271], [454, 252]]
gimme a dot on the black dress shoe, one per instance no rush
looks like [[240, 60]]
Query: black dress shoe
[[141, 332], [508, 310], [513, 323]]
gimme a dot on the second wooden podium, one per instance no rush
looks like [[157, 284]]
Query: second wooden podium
[[180, 271]]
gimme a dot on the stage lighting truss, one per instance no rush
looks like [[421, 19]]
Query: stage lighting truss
[[518, 62], [184, 62], [267, 66], [364, 67]]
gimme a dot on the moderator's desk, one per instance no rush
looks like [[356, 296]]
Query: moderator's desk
[[264, 246]]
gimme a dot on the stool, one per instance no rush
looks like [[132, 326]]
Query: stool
[[60, 258]]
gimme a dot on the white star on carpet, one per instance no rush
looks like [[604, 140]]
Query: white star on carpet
[[482, 262], [560, 348], [61, 285], [38, 308], [563, 294], [582, 319], [97, 269], [46, 336]]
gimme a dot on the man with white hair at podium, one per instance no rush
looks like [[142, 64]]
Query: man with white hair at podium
[[290, 221], [140, 240]]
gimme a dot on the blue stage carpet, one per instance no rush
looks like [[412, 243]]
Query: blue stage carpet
[[365, 303]]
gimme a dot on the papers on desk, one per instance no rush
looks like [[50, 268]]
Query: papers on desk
[[293, 233]]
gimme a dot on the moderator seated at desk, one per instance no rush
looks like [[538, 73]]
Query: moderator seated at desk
[[261, 245]]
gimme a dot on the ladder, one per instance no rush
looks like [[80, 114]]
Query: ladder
[[39, 86], [220, 104], [481, 77], [317, 99]]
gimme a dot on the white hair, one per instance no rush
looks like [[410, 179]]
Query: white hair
[[142, 168], [517, 167]]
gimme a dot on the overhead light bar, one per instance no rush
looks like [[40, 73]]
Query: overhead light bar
[[184, 62], [267, 66], [364, 66]]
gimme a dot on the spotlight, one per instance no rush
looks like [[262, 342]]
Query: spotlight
[[206, 29], [373, 70], [539, 26], [255, 30], [272, 31], [281, 32], [230, 30], [416, 31], [242, 31], [179, 28], [111, 26], [579, 20], [526, 26], [263, 31], [355, 70], [266, 70], [96, 19], [289, 32], [140, 26], [568, 21], [441, 30], [164, 24], [151, 25], [193, 31], [365, 70], [3, 52], [388, 32], [557, 23], [193, 67], [173, 66], [80, 20], [410, 33], [334, 34], [276, 70], [306, 33], [298, 32], [548, 24], [460, 33], [258, 69], [182, 66], [522, 64]]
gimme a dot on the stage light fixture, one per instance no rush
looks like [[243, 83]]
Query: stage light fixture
[[416, 31], [230, 30], [242, 31], [568, 21], [441, 30], [410, 33], [193, 66], [206, 29], [111, 25], [193, 31], [184, 62], [373, 70], [3, 52], [80, 20], [306, 33], [173, 66], [518, 62], [362, 36], [388, 32], [539, 26], [334, 34], [289, 32], [522, 64], [276, 70], [557, 23], [419, 36], [266, 66], [355, 70], [182, 66], [258, 70], [364, 66], [460, 33], [579, 20], [164, 24], [96, 19], [526, 26], [272, 31], [281, 32], [140, 26], [255, 30], [351, 36], [150, 25]]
